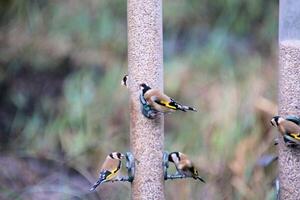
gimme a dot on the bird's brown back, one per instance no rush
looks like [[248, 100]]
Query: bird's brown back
[[110, 164], [157, 94], [184, 162], [288, 127]]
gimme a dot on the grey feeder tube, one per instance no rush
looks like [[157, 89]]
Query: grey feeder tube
[[289, 93], [145, 61]]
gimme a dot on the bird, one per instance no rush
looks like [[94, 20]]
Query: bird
[[184, 166], [124, 81], [161, 102], [110, 168], [289, 129]]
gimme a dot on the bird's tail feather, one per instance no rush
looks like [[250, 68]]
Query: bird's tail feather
[[183, 108], [102, 178], [195, 174], [199, 178], [96, 184]]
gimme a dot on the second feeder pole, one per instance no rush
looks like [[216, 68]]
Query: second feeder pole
[[289, 93], [145, 61]]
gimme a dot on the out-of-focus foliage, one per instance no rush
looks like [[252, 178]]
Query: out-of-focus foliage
[[61, 62]]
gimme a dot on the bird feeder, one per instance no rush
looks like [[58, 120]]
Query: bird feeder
[[289, 93]]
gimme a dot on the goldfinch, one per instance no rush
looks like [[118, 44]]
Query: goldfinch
[[124, 81], [110, 168], [184, 166], [289, 129], [161, 102]]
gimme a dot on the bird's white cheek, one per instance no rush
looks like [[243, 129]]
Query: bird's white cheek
[[280, 120]]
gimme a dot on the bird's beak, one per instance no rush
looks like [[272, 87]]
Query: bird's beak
[[122, 156]]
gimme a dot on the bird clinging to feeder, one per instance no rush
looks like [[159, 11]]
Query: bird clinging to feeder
[[184, 166], [110, 168], [289, 129], [160, 102]]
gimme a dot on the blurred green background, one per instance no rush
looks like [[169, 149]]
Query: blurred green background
[[62, 109]]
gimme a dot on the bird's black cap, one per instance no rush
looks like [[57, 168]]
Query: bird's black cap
[[144, 87]]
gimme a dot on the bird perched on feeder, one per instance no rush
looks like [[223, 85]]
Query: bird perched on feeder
[[110, 168], [184, 166], [124, 81], [160, 102], [289, 129]]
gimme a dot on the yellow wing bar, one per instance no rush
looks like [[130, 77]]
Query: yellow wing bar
[[296, 135], [167, 104]]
